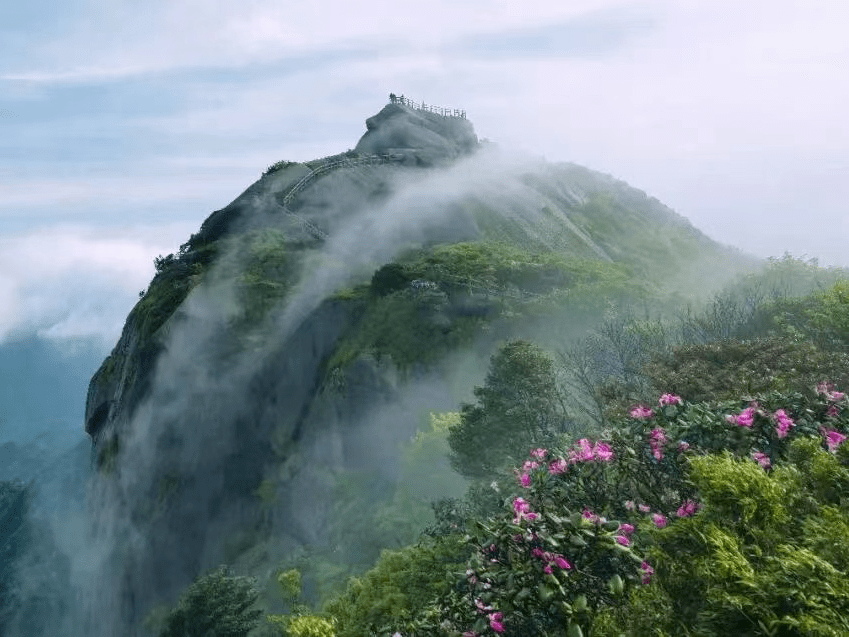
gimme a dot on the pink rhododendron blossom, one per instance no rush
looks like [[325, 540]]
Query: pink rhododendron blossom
[[583, 453], [481, 606], [832, 411], [589, 515], [529, 464], [647, 571], [657, 439], [683, 445], [626, 528], [644, 508], [745, 418], [670, 399], [659, 520], [558, 466], [783, 423], [539, 453], [762, 459], [537, 552], [603, 452], [629, 505], [495, 622], [687, 509], [522, 509], [624, 540], [525, 480], [547, 569], [827, 390], [561, 562], [469, 633], [833, 439], [641, 412]]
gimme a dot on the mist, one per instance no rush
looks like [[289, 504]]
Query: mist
[[225, 407]]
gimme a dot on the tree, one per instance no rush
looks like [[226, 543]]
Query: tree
[[215, 605], [518, 408]]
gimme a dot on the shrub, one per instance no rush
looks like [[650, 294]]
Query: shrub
[[215, 605]]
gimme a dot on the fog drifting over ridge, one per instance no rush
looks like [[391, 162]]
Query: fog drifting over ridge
[[731, 114]]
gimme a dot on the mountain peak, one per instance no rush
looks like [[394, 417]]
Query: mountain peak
[[426, 134]]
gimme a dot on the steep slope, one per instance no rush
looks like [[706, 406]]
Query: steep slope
[[278, 362]]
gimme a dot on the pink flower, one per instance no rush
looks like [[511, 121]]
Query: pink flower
[[744, 419], [520, 505], [687, 509], [539, 453], [832, 411], [827, 390], [584, 451], [495, 622], [529, 464], [659, 520], [624, 540], [683, 446], [538, 552], [762, 459], [603, 451], [657, 439], [641, 412], [833, 439], [670, 399], [547, 569], [522, 509], [469, 633], [589, 515], [626, 528], [481, 606], [784, 423], [558, 466], [525, 480], [561, 562], [647, 571], [629, 505], [644, 508]]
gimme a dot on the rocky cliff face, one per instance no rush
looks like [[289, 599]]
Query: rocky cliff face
[[296, 341]]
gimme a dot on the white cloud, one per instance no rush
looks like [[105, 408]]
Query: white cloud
[[66, 282]]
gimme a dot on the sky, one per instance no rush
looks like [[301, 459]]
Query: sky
[[123, 125]]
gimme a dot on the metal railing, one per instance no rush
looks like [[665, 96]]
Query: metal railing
[[327, 165], [430, 108]]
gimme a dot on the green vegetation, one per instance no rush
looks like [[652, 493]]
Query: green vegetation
[[717, 509], [215, 605], [518, 407]]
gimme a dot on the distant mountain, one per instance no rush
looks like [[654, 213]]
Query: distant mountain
[[264, 385]]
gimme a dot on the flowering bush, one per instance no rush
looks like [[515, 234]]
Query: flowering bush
[[591, 526]]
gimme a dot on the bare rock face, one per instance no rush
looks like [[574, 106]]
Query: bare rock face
[[426, 138]]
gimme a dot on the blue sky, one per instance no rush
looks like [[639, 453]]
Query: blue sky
[[124, 124]]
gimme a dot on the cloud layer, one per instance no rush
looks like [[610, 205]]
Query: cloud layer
[[117, 115]]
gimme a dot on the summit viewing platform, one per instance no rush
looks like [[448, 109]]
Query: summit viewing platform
[[437, 110]]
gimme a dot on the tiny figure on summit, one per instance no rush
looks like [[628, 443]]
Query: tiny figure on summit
[[393, 98]]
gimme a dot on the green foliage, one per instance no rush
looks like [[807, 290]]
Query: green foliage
[[755, 563], [215, 605], [518, 408], [280, 165], [399, 592], [722, 369]]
